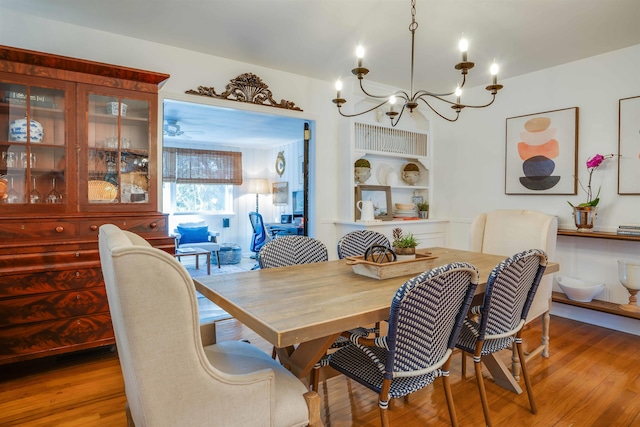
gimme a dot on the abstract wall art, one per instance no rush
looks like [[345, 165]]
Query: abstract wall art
[[541, 153], [629, 146]]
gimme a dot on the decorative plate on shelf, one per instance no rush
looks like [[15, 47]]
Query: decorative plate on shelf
[[381, 173]]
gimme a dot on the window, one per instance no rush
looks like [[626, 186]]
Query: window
[[183, 198], [199, 180]]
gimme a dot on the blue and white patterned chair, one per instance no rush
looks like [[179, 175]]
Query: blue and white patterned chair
[[511, 287], [292, 250], [424, 321], [357, 242]]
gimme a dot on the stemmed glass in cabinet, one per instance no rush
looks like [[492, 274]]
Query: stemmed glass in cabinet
[[12, 195], [54, 196], [35, 196]]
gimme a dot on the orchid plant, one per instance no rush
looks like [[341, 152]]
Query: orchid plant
[[592, 164]]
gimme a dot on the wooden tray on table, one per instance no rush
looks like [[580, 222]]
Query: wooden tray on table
[[388, 270]]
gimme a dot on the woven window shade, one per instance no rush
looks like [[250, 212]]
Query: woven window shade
[[188, 166]]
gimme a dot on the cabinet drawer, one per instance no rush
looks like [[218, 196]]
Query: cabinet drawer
[[140, 225], [36, 262], [54, 336], [50, 281], [22, 229], [54, 305]]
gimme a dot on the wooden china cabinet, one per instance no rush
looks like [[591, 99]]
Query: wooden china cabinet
[[78, 147]]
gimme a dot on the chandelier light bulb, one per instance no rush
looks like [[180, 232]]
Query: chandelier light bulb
[[463, 45], [458, 93], [338, 87], [360, 54], [494, 71]]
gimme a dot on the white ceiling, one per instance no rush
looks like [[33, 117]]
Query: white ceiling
[[318, 38], [205, 124]]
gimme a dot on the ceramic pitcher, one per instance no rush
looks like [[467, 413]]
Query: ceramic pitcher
[[366, 210]]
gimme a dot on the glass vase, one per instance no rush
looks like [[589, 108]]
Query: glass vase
[[585, 217]]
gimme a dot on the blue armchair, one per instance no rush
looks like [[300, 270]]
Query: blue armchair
[[197, 235]]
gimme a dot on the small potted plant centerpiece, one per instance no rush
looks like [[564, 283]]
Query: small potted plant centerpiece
[[423, 208], [362, 170], [404, 245]]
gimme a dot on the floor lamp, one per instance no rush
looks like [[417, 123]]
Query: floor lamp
[[258, 186]]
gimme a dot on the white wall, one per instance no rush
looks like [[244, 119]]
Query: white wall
[[470, 156]]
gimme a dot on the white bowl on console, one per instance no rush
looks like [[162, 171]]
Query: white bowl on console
[[578, 289]]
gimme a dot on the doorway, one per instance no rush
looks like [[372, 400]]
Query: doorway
[[272, 147]]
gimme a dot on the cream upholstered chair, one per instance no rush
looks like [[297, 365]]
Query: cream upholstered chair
[[170, 378], [505, 232]]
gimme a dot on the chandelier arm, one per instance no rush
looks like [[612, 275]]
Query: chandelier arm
[[464, 80], [363, 112], [436, 111], [399, 93], [480, 106], [439, 98], [393, 124], [438, 95], [421, 93]]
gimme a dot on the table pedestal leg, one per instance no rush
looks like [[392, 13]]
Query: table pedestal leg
[[500, 373]]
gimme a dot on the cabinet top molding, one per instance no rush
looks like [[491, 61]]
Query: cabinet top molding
[[58, 62]]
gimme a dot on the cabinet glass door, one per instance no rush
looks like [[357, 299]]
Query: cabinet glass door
[[118, 150], [32, 146]]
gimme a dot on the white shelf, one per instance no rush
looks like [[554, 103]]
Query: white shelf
[[401, 187], [388, 150]]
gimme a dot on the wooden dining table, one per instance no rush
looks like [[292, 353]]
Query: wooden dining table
[[302, 309]]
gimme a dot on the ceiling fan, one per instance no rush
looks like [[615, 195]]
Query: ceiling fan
[[172, 129]]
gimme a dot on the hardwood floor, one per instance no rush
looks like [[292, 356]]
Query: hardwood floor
[[591, 379]]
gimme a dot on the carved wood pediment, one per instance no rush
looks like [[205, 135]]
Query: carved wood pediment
[[246, 87]]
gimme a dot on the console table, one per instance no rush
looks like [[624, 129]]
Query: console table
[[603, 306], [597, 235]]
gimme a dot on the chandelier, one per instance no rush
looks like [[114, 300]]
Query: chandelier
[[410, 100]]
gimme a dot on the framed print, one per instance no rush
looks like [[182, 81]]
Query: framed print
[[629, 146], [380, 195], [280, 193], [540, 155]]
